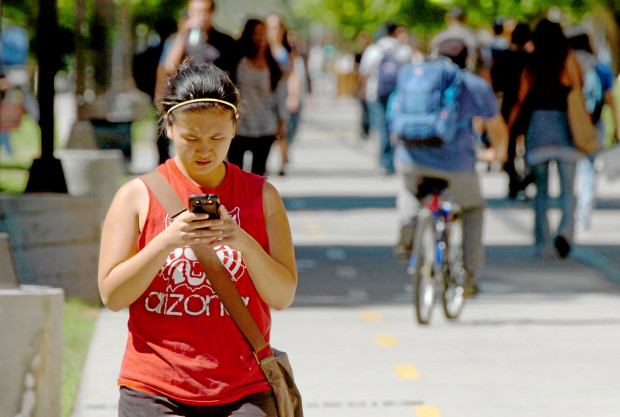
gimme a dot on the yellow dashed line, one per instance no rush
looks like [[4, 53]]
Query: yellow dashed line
[[406, 371], [427, 410], [386, 340], [371, 316], [315, 230]]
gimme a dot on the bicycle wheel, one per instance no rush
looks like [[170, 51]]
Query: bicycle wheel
[[454, 271], [423, 282]]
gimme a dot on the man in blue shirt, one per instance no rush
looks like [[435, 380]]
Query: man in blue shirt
[[454, 162]]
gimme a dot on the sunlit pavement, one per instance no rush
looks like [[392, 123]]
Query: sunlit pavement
[[542, 339]]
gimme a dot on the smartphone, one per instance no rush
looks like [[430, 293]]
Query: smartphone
[[205, 203]]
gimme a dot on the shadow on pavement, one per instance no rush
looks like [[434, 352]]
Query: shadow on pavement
[[354, 276], [337, 203]]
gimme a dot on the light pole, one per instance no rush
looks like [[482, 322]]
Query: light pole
[[46, 173]]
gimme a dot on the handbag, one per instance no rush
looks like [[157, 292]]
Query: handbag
[[581, 126], [580, 121], [274, 364]]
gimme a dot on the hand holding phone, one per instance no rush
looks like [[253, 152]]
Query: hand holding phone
[[205, 203]]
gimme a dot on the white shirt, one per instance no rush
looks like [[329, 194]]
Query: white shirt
[[372, 56]]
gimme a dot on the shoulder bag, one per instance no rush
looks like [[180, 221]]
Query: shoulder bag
[[581, 126], [274, 363]]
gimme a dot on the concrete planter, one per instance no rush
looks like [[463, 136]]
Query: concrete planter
[[55, 240], [90, 172], [31, 351]]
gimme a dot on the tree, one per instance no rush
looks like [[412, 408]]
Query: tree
[[425, 17]]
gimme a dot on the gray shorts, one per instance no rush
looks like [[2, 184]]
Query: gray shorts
[[134, 403]]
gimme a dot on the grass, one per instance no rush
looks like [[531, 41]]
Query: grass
[[78, 326]]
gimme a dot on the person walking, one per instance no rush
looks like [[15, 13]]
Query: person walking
[[506, 75], [298, 91], [185, 356], [258, 77], [597, 90], [378, 70], [454, 161], [541, 105]]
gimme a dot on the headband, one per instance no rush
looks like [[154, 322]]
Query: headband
[[200, 100]]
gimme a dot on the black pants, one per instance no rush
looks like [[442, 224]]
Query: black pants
[[135, 403], [259, 147]]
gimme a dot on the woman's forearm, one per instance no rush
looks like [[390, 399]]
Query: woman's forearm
[[127, 281]]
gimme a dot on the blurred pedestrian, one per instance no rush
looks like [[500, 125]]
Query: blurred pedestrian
[[277, 39], [378, 70], [506, 76], [298, 91], [185, 356], [363, 40], [452, 159], [597, 91], [16, 97], [199, 40], [263, 114], [457, 30], [541, 106]]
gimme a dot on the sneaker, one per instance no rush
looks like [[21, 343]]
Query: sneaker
[[562, 246], [402, 252]]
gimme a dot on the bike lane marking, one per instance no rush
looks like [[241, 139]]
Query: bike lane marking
[[312, 227], [371, 316], [427, 410], [386, 340], [406, 371]]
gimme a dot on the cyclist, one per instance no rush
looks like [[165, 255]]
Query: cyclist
[[454, 162]]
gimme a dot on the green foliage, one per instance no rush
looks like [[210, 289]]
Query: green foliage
[[425, 17], [350, 17]]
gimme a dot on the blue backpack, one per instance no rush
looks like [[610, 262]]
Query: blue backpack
[[14, 46], [424, 108], [593, 94], [387, 74]]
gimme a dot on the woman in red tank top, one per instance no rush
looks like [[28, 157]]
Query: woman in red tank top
[[184, 355]]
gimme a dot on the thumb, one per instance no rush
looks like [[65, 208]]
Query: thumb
[[224, 215]]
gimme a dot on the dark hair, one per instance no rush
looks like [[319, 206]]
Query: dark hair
[[498, 25], [390, 28], [580, 42], [247, 48], [550, 52], [521, 34], [455, 49], [194, 82]]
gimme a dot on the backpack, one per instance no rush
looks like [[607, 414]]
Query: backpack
[[593, 94], [14, 49], [387, 74], [424, 108]]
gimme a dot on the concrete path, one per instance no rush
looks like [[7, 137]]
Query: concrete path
[[541, 340]]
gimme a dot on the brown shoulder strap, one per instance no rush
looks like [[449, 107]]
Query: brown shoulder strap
[[164, 193], [211, 265]]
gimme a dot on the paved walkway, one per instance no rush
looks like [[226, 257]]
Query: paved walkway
[[542, 339]]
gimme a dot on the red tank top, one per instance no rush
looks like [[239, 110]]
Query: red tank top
[[182, 343]]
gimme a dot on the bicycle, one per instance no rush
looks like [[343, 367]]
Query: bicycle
[[436, 262]]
